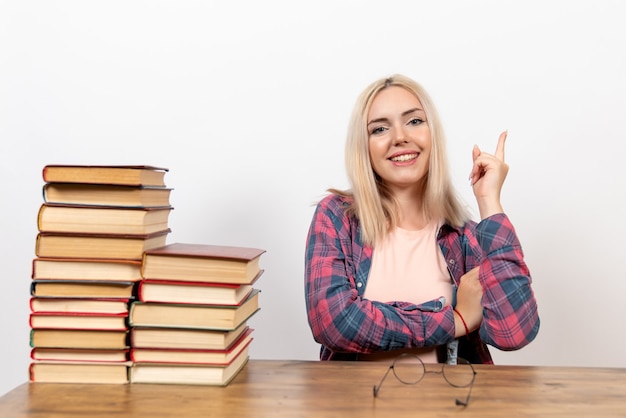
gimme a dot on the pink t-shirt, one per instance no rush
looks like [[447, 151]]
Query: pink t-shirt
[[408, 266]]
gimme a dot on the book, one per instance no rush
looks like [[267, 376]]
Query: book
[[82, 289], [69, 338], [86, 269], [102, 219], [188, 374], [191, 356], [68, 245], [169, 291], [78, 321], [131, 175], [105, 195], [80, 354], [89, 305], [180, 338], [74, 372], [225, 317], [202, 263]]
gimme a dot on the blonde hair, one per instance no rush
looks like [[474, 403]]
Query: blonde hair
[[372, 203]]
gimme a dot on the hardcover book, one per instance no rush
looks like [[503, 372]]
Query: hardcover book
[[86, 321], [76, 305], [224, 317], [202, 263], [81, 289], [86, 269], [188, 374], [131, 175], [167, 291], [105, 195], [80, 354], [72, 338], [181, 338], [75, 372], [102, 219], [105, 246], [191, 356]]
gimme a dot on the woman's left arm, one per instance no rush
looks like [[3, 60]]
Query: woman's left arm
[[510, 318], [510, 315]]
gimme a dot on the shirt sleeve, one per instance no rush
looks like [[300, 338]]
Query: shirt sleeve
[[343, 321], [510, 315]]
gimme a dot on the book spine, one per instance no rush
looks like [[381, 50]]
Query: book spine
[[31, 372], [40, 217], [140, 290]]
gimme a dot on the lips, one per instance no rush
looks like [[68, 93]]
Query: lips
[[402, 158]]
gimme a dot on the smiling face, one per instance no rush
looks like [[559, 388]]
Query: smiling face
[[399, 139]]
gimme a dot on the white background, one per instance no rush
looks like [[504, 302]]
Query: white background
[[247, 104]]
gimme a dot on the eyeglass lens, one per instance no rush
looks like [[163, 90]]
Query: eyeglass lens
[[410, 369]]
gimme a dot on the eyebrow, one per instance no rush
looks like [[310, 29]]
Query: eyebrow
[[406, 112]]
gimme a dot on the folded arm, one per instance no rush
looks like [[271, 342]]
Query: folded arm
[[343, 321], [510, 315]]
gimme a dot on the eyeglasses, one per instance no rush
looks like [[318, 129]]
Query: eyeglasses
[[410, 370]]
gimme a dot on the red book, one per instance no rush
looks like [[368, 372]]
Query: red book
[[181, 338], [79, 305], [189, 356], [170, 291], [79, 354], [188, 374]]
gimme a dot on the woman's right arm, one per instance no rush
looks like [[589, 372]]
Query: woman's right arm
[[343, 321]]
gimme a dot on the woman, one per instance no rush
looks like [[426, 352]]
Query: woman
[[395, 264]]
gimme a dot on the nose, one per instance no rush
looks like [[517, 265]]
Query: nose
[[400, 136]]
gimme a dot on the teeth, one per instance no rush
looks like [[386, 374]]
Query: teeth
[[404, 157]]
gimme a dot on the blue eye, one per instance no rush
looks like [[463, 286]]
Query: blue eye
[[415, 121], [377, 130]]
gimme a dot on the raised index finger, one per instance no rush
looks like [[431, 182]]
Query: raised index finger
[[500, 146]]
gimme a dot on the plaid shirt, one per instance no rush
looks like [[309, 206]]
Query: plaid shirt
[[337, 265]]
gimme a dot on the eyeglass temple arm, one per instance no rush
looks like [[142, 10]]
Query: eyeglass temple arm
[[377, 387], [469, 394]]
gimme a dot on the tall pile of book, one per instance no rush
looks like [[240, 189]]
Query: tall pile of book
[[94, 226], [189, 324]]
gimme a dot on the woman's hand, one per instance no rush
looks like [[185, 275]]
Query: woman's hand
[[487, 177], [468, 298]]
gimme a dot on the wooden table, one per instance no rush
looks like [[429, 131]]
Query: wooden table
[[268, 388]]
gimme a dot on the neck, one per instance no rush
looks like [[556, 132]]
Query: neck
[[410, 213]]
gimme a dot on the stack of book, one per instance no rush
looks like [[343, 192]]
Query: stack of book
[[94, 225], [189, 324]]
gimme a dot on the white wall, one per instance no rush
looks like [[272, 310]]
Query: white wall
[[247, 104]]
